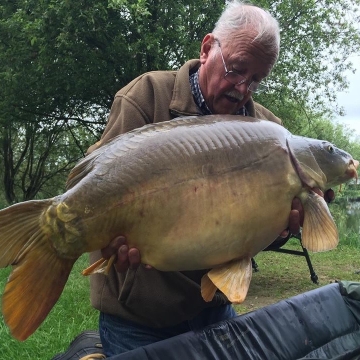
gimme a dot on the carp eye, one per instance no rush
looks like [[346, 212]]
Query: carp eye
[[330, 149]]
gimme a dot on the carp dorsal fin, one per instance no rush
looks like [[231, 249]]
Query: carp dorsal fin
[[319, 232], [232, 278], [305, 163], [81, 169]]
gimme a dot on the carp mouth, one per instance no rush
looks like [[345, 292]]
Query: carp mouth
[[311, 175]]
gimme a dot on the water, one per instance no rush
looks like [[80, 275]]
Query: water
[[352, 211], [347, 216]]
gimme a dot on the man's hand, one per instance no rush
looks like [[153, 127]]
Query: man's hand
[[296, 217], [126, 258], [329, 195]]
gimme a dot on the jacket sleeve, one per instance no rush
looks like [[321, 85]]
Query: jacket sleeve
[[143, 101], [124, 116], [131, 109]]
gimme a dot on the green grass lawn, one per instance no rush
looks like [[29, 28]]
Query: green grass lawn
[[280, 276]]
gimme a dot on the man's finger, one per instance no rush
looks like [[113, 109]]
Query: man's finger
[[122, 263], [318, 191], [329, 195], [294, 222], [113, 247], [134, 258], [284, 234]]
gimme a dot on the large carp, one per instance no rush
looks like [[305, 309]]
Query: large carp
[[193, 193]]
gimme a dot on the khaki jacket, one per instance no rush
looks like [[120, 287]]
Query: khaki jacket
[[151, 297]]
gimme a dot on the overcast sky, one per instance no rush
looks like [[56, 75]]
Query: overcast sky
[[350, 99]]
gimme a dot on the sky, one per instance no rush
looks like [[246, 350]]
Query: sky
[[350, 99]]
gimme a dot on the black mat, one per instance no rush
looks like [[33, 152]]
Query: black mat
[[320, 324]]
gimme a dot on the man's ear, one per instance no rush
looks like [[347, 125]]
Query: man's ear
[[206, 47]]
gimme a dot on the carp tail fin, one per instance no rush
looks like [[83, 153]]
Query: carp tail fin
[[319, 231], [232, 278], [38, 275], [32, 290]]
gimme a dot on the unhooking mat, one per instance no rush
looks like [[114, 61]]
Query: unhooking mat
[[320, 324]]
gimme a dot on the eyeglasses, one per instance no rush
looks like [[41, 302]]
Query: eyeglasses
[[236, 79]]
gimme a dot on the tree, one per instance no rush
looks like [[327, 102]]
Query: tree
[[62, 62], [36, 155], [317, 39]]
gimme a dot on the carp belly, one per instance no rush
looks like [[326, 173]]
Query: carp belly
[[201, 223]]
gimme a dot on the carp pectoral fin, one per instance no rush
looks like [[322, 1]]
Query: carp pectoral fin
[[319, 231], [232, 278], [311, 177], [101, 266]]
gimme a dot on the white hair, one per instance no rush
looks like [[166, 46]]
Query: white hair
[[239, 16]]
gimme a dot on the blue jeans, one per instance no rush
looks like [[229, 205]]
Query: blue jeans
[[119, 335]]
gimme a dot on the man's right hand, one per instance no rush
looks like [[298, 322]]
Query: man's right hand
[[126, 258]]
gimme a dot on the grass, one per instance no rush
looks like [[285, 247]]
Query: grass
[[280, 276], [71, 315]]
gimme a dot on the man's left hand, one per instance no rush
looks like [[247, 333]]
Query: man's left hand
[[296, 217]]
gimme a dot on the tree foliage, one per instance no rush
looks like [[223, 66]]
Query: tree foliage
[[318, 38], [61, 62]]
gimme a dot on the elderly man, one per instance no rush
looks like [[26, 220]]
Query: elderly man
[[138, 305]]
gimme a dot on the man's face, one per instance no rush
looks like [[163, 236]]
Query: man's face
[[242, 56]]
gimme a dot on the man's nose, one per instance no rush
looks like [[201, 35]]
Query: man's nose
[[242, 88]]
